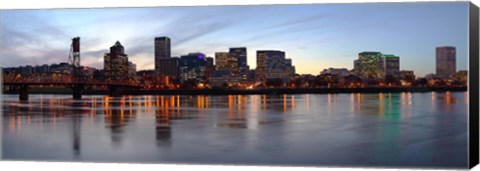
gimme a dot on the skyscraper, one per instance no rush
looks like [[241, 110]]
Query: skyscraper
[[445, 61], [289, 68], [388, 65], [165, 65], [366, 66], [240, 53], [227, 62], [209, 68], [116, 63], [271, 64], [226, 69], [162, 47], [132, 69], [193, 67]]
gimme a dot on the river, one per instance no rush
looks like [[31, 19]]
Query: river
[[379, 130]]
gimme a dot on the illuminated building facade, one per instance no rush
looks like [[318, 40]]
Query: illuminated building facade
[[226, 62], [209, 68], [289, 68], [388, 65], [226, 69], [336, 71], [193, 67], [116, 63], [366, 66], [132, 70], [240, 54], [445, 61], [271, 64], [165, 65], [221, 61], [223, 77]]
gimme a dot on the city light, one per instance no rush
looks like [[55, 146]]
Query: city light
[[228, 71]]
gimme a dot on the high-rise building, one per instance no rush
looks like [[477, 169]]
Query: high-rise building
[[227, 62], [366, 66], [388, 65], [209, 68], [116, 63], [251, 74], [226, 69], [289, 68], [132, 69], [445, 61], [271, 64], [169, 67], [193, 67], [162, 47], [165, 65], [240, 53]]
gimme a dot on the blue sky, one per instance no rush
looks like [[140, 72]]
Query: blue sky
[[314, 36]]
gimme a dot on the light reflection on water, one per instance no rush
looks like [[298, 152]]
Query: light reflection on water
[[385, 129]]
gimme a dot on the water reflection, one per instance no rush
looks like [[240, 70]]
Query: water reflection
[[116, 116], [164, 112], [273, 129], [76, 128], [236, 113]]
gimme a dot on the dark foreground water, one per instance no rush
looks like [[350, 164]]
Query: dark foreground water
[[398, 130]]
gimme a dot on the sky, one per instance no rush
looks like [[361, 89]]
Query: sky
[[315, 36]]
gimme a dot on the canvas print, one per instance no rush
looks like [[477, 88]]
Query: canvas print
[[351, 85]]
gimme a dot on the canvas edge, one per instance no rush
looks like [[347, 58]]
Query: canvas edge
[[473, 88]]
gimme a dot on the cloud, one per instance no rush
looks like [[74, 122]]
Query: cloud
[[30, 44], [31, 37], [193, 26], [42, 35], [93, 58], [300, 20]]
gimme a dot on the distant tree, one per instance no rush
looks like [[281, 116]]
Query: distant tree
[[297, 82], [225, 85], [410, 79], [330, 80], [352, 80], [276, 82], [460, 78], [458, 83], [318, 81], [422, 82], [440, 83]]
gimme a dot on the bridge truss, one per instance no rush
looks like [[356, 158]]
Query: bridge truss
[[74, 58]]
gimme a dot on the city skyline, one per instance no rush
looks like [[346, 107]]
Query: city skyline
[[332, 45]]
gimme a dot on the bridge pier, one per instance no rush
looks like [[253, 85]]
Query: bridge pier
[[113, 90], [23, 94], [77, 91]]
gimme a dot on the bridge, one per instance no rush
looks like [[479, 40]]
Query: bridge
[[114, 87], [73, 80]]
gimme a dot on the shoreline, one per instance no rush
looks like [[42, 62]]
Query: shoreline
[[266, 91]]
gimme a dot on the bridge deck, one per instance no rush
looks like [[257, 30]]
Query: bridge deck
[[96, 83]]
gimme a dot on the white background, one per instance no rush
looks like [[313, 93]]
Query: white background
[[35, 4]]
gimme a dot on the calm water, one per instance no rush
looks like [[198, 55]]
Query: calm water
[[406, 129]]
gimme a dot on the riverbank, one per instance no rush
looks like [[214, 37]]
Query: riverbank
[[253, 91]]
